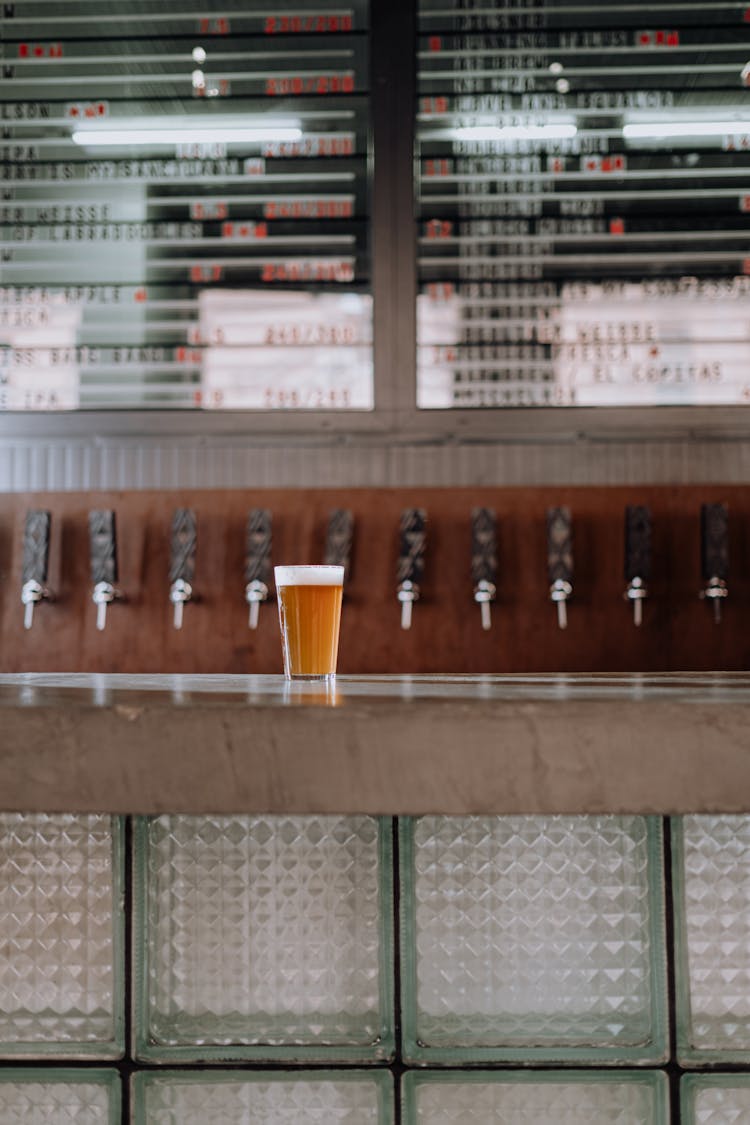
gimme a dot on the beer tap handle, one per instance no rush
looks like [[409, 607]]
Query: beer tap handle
[[637, 557], [257, 562], [560, 560], [484, 560], [410, 567], [715, 555], [339, 535], [36, 534], [182, 561], [103, 555]]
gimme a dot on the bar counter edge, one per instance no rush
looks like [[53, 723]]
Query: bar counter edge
[[454, 745]]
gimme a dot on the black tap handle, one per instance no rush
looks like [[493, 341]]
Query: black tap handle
[[182, 551], [36, 547], [637, 542], [103, 546], [258, 546], [559, 545], [483, 546], [715, 542], [411, 555], [339, 539]]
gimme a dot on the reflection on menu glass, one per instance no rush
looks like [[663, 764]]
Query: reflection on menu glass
[[583, 203], [184, 206]]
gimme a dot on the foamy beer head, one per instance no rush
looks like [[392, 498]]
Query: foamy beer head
[[309, 614]]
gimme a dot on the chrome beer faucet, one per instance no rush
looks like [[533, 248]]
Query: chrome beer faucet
[[182, 561], [410, 561], [339, 536], [484, 560], [103, 552], [560, 560], [36, 533], [257, 562], [715, 555], [637, 557]]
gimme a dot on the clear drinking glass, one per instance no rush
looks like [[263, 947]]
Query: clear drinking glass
[[309, 615]]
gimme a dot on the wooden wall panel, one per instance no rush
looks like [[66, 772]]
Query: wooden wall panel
[[678, 631]]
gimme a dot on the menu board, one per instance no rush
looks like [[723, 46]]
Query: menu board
[[583, 203], [185, 201]]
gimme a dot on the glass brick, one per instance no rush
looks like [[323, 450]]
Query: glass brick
[[61, 923], [533, 938], [716, 1099], [264, 937], [185, 1098], [551, 1098], [59, 1097], [711, 857]]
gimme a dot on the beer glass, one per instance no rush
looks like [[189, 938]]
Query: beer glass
[[309, 615]]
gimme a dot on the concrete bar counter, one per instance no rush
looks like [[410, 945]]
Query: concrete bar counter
[[382, 745]]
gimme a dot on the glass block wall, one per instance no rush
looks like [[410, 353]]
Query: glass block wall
[[261, 970]]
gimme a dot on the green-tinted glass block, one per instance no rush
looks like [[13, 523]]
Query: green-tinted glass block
[[715, 1099], [542, 1098], [264, 937], [61, 936], [533, 938], [59, 1096], [264, 1098], [711, 874]]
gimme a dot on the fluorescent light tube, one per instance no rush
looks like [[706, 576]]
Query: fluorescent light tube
[[514, 132], [218, 134], [664, 129]]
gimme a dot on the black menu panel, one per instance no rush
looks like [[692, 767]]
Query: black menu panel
[[185, 200], [583, 203]]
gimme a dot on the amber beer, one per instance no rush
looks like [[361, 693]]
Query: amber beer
[[309, 615]]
